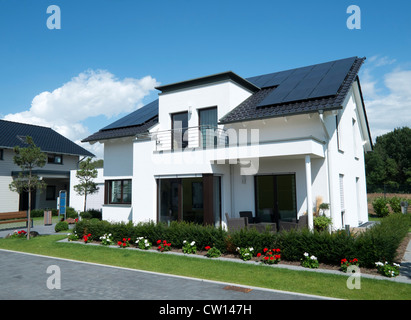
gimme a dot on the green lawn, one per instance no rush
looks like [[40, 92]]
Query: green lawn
[[253, 275]]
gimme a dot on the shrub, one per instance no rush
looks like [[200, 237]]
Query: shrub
[[321, 223], [61, 226], [380, 206], [212, 252], [395, 204]]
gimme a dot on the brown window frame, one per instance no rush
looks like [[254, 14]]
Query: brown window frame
[[108, 188]]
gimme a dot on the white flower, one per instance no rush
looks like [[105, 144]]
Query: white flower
[[193, 243], [251, 249], [313, 258], [396, 264], [306, 254], [184, 241]]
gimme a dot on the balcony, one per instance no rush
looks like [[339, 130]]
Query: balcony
[[200, 137]]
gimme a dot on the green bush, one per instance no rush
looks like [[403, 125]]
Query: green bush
[[380, 206], [71, 213], [61, 226], [395, 204], [321, 223], [378, 243]]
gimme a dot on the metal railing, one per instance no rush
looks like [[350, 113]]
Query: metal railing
[[200, 137]]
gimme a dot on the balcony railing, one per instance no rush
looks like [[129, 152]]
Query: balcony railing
[[200, 137]]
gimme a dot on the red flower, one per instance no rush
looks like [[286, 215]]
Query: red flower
[[343, 260], [164, 241], [258, 255], [169, 244], [158, 241], [119, 243], [271, 258], [208, 248], [159, 247], [277, 256], [277, 250], [265, 250], [270, 253], [265, 258]]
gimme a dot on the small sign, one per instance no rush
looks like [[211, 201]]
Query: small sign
[[62, 202]]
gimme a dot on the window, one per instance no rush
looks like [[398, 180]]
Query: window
[[354, 136], [208, 124], [118, 192], [55, 158], [179, 126], [339, 133], [51, 193], [1, 154]]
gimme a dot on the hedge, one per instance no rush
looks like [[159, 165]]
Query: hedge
[[378, 243]]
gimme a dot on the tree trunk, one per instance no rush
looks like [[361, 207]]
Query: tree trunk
[[85, 201]]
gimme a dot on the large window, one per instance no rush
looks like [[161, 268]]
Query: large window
[[195, 199], [275, 197], [118, 192]]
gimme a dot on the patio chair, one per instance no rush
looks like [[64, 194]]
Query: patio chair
[[248, 215], [234, 224], [300, 224]]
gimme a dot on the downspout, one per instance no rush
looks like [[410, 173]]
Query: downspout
[[329, 162]]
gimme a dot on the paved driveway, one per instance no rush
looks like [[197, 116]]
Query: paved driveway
[[27, 276]]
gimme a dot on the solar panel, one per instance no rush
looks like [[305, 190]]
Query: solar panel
[[137, 117], [332, 81], [307, 83]]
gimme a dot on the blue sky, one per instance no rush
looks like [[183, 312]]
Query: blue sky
[[108, 55]]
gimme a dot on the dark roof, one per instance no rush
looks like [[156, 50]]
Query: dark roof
[[48, 140], [312, 91], [139, 121], [228, 75], [302, 90]]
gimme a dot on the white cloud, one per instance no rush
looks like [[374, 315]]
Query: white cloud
[[90, 94], [387, 96]]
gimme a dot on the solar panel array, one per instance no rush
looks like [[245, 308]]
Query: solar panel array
[[137, 117], [305, 83]]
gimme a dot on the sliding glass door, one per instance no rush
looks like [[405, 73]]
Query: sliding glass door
[[195, 199], [275, 197]]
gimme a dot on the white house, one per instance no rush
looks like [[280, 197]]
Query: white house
[[63, 155], [271, 144]]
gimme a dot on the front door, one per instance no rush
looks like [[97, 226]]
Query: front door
[[275, 197]]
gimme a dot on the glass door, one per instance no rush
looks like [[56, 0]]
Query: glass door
[[208, 125], [275, 197], [179, 126]]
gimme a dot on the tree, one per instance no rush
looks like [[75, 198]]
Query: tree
[[390, 162], [86, 174], [28, 158]]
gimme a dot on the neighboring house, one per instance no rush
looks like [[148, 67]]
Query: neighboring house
[[63, 155], [94, 201], [271, 144]]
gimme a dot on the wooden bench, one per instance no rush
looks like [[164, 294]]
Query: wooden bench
[[12, 217]]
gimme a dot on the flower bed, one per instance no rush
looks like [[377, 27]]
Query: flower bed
[[377, 244]]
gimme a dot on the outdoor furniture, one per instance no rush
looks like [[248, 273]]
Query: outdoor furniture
[[234, 224], [264, 226], [288, 225], [248, 215], [12, 217]]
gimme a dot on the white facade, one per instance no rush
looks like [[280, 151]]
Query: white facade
[[317, 155]]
